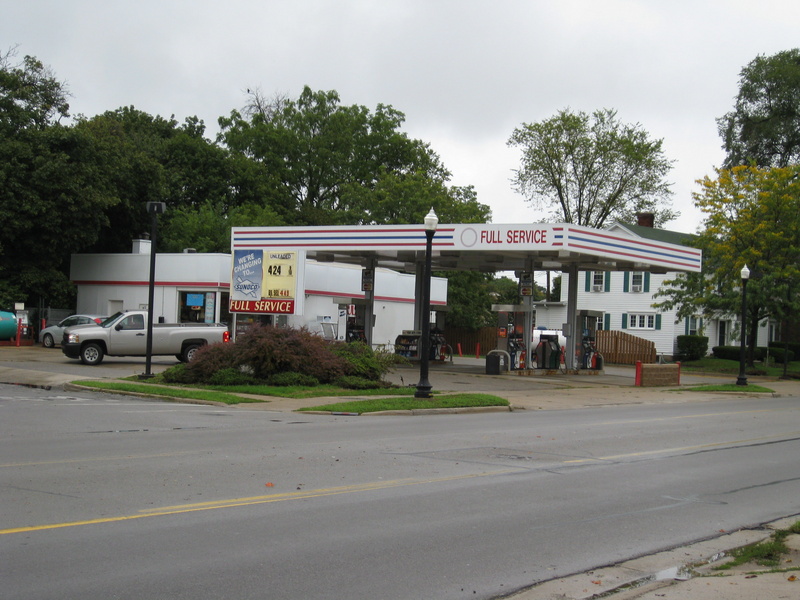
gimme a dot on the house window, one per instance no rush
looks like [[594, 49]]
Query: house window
[[637, 281], [598, 281], [642, 321], [693, 325]]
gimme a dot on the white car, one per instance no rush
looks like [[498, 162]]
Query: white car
[[50, 336]]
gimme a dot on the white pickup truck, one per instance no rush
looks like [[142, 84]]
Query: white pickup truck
[[125, 334]]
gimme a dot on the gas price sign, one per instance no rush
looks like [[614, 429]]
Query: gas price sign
[[266, 281]]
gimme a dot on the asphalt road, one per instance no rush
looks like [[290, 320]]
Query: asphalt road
[[108, 496]]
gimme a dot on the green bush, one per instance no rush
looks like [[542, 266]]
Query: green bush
[[726, 352], [231, 376], [794, 347], [291, 379], [177, 374], [692, 347], [779, 355], [363, 361], [759, 353]]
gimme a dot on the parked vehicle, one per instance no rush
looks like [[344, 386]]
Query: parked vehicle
[[125, 334], [50, 336]]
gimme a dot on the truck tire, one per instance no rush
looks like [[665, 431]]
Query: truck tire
[[188, 352], [92, 354]]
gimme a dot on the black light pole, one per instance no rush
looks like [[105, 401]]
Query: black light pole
[[742, 379], [424, 386], [154, 209]]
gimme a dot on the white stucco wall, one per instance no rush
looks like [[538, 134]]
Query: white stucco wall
[[110, 282]]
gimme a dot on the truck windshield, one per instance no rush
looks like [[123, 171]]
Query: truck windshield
[[110, 320]]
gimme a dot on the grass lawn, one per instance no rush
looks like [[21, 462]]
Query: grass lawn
[[709, 364], [392, 398], [726, 387], [166, 391], [411, 403]]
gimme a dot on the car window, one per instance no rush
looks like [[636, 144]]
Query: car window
[[133, 322], [84, 320], [69, 322]]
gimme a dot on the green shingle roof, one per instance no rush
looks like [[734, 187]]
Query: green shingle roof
[[659, 235]]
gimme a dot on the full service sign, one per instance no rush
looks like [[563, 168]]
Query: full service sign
[[472, 237], [266, 281]]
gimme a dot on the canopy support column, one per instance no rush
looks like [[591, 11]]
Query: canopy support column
[[571, 326]]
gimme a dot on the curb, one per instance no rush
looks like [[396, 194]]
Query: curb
[[414, 412], [651, 572], [160, 397]]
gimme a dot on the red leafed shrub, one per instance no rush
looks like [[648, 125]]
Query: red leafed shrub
[[266, 351]]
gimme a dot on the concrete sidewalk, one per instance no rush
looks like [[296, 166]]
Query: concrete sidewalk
[[679, 574]]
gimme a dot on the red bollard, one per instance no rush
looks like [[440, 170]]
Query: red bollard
[[638, 380], [459, 349], [478, 350]]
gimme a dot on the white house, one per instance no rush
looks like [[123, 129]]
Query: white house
[[624, 301], [194, 287]]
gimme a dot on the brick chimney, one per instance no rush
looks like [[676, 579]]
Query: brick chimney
[[645, 219]]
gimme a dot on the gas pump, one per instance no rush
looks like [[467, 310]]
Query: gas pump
[[590, 358], [510, 327], [548, 351]]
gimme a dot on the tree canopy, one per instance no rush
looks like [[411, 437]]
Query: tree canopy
[[53, 198], [592, 169], [752, 216], [334, 165], [83, 186], [764, 126]]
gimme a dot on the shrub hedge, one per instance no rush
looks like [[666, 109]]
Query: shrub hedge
[[760, 353], [692, 347], [282, 357]]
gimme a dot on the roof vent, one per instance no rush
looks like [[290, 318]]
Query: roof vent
[[189, 251]]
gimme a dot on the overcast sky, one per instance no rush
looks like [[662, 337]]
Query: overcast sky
[[464, 72]]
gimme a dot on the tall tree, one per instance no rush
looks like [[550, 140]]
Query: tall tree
[[592, 169], [53, 198], [752, 217], [30, 95], [332, 162], [764, 126], [150, 158]]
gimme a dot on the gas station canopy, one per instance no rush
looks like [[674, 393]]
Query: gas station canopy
[[487, 247], [476, 247]]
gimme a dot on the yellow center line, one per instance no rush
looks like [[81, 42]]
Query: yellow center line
[[253, 500]]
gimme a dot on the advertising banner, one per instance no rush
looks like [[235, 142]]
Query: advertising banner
[[267, 281]]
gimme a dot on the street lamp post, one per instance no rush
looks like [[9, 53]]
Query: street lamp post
[[742, 378], [154, 209], [424, 386]]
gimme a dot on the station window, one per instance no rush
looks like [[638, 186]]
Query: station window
[[198, 307]]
